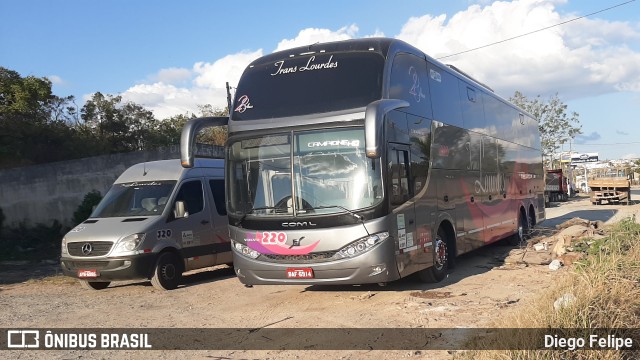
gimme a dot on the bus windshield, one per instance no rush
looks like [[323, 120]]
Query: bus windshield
[[145, 198], [319, 172], [309, 84]]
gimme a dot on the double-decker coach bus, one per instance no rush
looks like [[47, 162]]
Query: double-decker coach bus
[[364, 161]]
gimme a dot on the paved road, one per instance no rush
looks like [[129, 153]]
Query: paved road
[[581, 207]]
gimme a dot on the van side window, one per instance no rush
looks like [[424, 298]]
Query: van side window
[[191, 193], [217, 189]]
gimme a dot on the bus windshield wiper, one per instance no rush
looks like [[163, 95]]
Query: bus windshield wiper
[[358, 217], [339, 207], [252, 210]]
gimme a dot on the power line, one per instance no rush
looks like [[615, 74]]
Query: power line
[[535, 31]]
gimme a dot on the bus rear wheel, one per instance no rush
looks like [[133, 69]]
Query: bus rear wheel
[[438, 271]]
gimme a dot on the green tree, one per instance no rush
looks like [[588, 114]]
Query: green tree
[[557, 125], [167, 132], [118, 126], [24, 97], [84, 210], [35, 125], [214, 135]]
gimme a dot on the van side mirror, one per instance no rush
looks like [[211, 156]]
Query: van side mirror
[[179, 210], [374, 124]]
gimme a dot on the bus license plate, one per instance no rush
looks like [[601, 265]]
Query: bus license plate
[[87, 273], [300, 273]]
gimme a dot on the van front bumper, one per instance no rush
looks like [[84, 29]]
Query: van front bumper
[[108, 269]]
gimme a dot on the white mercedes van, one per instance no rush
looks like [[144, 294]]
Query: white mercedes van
[[157, 221]]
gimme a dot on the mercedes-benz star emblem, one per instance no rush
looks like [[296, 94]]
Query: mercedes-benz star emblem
[[86, 249]]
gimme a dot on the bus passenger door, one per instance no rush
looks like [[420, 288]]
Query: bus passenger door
[[401, 193]]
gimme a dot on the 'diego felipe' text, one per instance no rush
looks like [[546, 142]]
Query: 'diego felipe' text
[[610, 342], [100, 341]]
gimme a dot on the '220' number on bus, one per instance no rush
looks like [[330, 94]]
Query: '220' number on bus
[[272, 237]]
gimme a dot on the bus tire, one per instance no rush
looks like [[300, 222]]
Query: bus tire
[[94, 285], [438, 271], [522, 230], [167, 273]]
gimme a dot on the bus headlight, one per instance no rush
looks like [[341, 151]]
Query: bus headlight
[[129, 243], [244, 250], [362, 245]]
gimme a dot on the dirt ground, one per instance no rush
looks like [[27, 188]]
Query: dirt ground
[[481, 287]]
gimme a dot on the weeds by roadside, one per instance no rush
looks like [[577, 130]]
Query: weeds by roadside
[[602, 291]]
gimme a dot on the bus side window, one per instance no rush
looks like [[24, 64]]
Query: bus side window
[[191, 193], [400, 190]]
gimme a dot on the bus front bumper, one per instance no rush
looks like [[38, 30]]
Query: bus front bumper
[[375, 266]]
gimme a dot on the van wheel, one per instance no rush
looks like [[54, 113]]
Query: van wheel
[[94, 285], [438, 271], [167, 273]]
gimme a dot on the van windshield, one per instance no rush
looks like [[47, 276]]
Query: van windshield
[[135, 199]]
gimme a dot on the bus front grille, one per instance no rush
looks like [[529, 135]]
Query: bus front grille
[[301, 259]]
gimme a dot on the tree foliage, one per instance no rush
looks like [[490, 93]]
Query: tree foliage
[[37, 126], [34, 122], [557, 125], [84, 210]]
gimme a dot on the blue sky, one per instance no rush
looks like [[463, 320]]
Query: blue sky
[[172, 55]]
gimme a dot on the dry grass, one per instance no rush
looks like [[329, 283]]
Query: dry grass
[[53, 280], [606, 287]]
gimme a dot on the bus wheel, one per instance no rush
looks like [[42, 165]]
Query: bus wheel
[[519, 237], [438, 271], [167, 274], [94, 285]]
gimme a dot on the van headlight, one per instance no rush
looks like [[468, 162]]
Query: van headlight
[[362, 245], [63, 247], [245, 250], [129, 243]]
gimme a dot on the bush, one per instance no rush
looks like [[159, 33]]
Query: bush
[[39, 242], [84, 210]]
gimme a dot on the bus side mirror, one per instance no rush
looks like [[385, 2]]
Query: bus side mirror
[[374, 124], [189, 132], [179, 210]]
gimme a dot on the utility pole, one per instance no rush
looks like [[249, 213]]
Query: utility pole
[[228, 98], [570, 169]]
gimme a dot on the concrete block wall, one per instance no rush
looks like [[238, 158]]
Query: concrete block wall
[[47, 192]]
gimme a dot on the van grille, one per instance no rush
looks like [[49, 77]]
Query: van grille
[[300, 259], [96, 265], [98, 248]]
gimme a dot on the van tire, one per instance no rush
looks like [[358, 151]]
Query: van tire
[[438, 271], [94, 285], [168, 272]]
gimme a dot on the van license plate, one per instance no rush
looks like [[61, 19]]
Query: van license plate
[[87, 273], [299, 273]]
